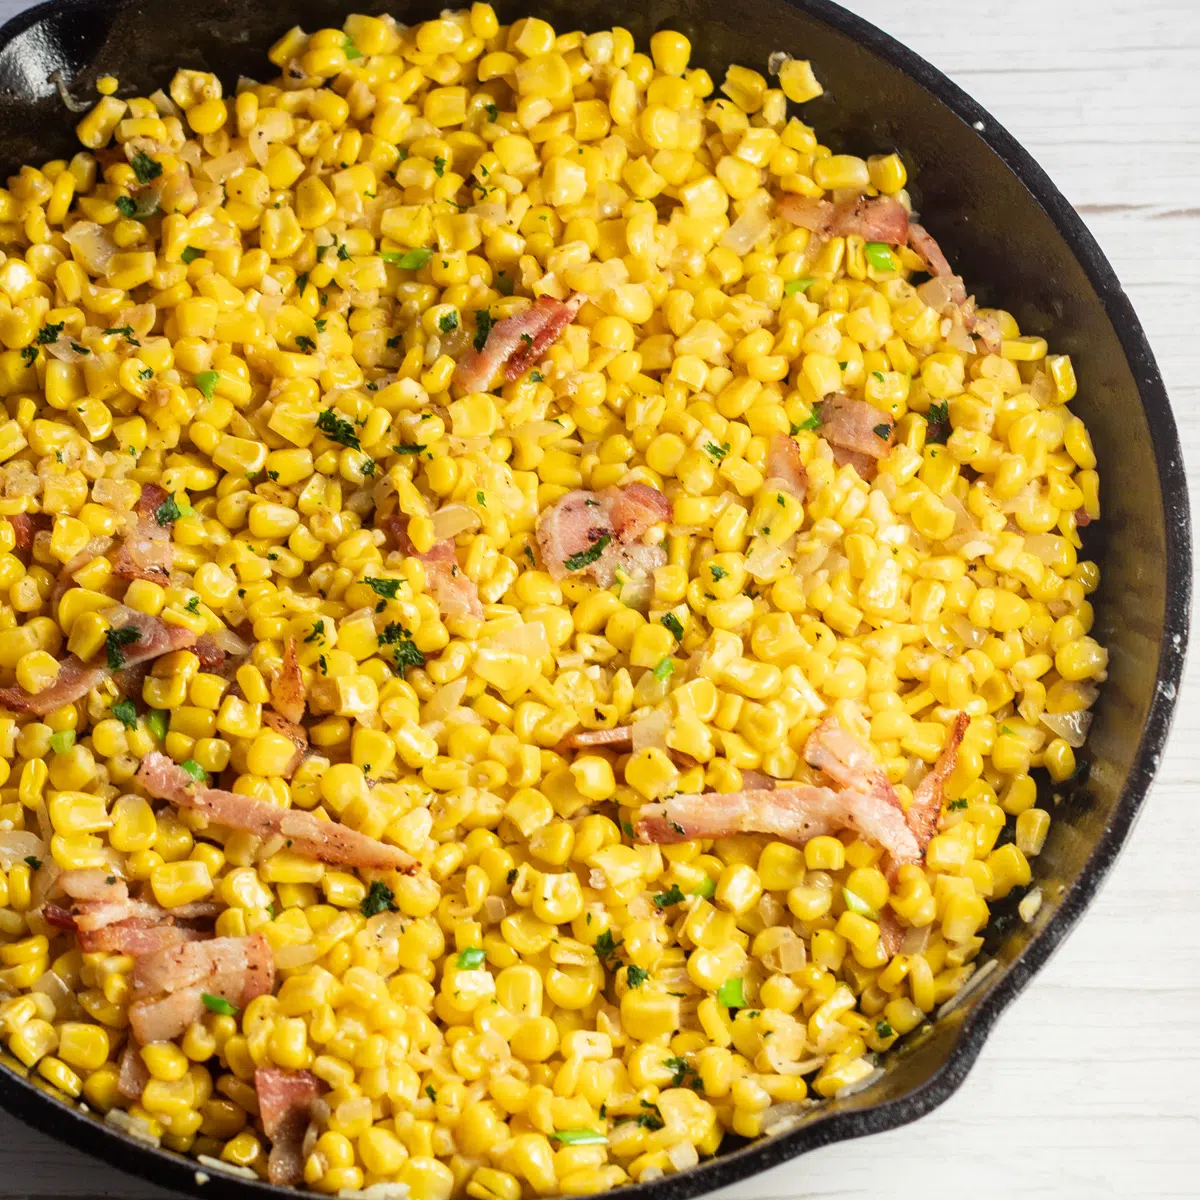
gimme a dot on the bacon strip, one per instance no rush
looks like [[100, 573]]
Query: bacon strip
[[601, 532], [517, 342], [325, 840], [874, 218], [926, 806], [851, 427], [77, 678], [785, 468], [794, 814], [236, 970], [135, 937], [146, 551], [287, 687], [285, 1102]]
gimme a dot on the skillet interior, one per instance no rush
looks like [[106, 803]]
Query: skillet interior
[[1017, 242]]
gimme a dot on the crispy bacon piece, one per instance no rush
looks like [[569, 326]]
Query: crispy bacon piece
[[620, 737], [56, 915], [758, 781], [793, 814], [135, 937], [891, 932], [76, 678], [234, 969], [853, 428], [956, 301], [325, 840], [285, 1102], [287, 687], [26, 526], [846, 761], [211, 656], [874, 218], [925, 244], [295, 733], [517, 342], [134, 1074], [926, 806], [146, 551], [452, 588], [785, 468], [1082, 518], [599, 532]]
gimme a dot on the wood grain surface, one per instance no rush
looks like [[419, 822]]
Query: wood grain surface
[[1088, 1086]]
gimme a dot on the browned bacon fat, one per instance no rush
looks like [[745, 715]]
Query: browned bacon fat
[[516, 342], [857, 431], [285, 1102], [325, 840], [598, 532], [874, 218], [134, 638]]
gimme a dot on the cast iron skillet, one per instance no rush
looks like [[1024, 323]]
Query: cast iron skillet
[[1018, 243]]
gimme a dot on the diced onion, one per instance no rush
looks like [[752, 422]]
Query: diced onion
[[938, 292], [650, 732], [296, 956], [453, 519], [16, 845], [741, 236], [92, 244], [859, 1085], [1072, 727], [683, 1155], [1030, 904]]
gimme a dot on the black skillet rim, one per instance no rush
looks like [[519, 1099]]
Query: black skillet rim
[[51, 1116]]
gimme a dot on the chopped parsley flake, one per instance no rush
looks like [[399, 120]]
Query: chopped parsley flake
[[49, 333], [718, 452], [125, 331], [937, 421], [168, 511], [883, 1029], [145, 168], [797, 285], [409, 448], [672, 895], [115, 639], [957, 805], [338, 429], [483, 326], [35, 863], [126, 206], [218, 1004], [492, 111], [811, 422], [29, 354], [195, 770], [883, 430], [439, 166], [305, 343], [606, 947], [387, 588], [125, 712], [190, 254], [585, 558], [671, 621], [636, 976], [448, 321], [378, 899], [318, 632], [470, 958]]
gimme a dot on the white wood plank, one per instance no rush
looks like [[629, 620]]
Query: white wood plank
[[1087, 1086]]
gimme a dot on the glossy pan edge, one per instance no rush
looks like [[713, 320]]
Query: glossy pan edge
[[31, 1103]]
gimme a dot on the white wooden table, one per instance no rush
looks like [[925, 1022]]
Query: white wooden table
[[1088, 1087]]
